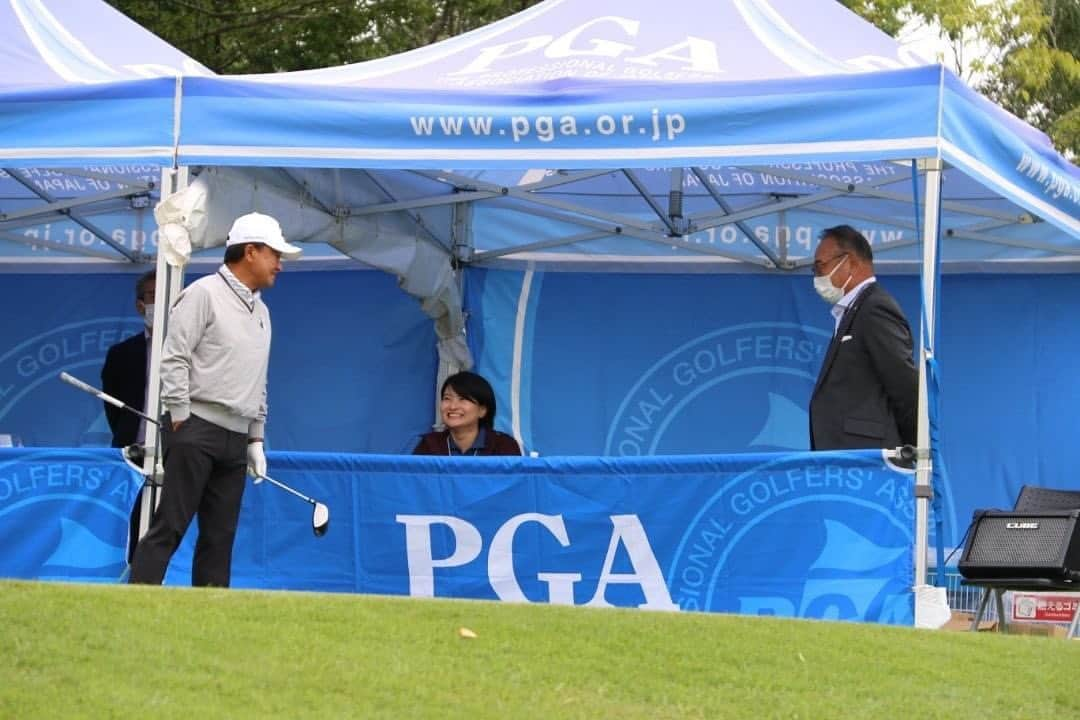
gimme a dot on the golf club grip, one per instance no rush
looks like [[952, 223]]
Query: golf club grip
[[76, 382]]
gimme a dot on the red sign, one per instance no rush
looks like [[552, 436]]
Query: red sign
[[1044, 607]]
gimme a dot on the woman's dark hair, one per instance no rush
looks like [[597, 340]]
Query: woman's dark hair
[[472, 387]]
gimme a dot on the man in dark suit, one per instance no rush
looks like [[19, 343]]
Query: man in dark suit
[[866, 394], [124, 377]]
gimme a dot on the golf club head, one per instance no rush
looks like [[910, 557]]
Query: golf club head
[[134, 456], [320, 519]]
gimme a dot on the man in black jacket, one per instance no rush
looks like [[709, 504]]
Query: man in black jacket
[[124, 377], [866, 394]]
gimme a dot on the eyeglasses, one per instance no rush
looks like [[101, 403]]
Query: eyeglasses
[[820, 265]]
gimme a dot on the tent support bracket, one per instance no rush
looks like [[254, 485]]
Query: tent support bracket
[[461, 233], [644, 193], [305, 191]]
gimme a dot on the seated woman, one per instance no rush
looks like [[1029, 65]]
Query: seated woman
[[468, 411]]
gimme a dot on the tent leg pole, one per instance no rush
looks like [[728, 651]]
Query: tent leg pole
[[450, 361], [924, 468], [169, 282]]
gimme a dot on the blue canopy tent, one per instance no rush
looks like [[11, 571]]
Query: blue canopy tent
[[89, 113], [105, 101], [808, 133], [626, 139]]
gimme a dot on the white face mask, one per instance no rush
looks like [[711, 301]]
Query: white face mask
[[824, 287], [148, 315]]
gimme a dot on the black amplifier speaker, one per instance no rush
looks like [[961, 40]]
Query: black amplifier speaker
[[1023, 545]]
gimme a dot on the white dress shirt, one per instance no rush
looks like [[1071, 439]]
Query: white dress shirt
[[845, 302]]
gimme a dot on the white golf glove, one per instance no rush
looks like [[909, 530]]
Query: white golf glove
[[256, 461]]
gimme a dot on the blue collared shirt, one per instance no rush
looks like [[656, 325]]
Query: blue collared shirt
[[474, 449]]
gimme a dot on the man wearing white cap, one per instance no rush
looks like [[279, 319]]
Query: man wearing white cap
[[213, 386]]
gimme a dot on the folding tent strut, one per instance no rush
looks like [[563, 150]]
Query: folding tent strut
[[86, 224], [585, 217], [746, 230], [965, 233], [976, 231], [485, 255], [426, 232], [38, 242], [644, 193], [703, 220], [119, 180], [58, 207], [614, 228], [869, 190], [526, 193], [168, 283]]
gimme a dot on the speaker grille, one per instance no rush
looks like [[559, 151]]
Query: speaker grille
[[997, 545]]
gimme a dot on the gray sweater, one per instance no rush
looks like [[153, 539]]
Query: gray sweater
[[215, 357]]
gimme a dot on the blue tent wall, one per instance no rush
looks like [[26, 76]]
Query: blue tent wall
[[726, 363], [352, 366]]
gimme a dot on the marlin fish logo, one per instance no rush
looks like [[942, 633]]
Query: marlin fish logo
[[841, 583], [847, 551], [785, 427], [79, 547]]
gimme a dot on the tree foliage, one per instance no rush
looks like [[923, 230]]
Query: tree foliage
[[262, 36], [1026, 51], [1039, 77]]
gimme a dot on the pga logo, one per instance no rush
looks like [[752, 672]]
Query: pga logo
[[603, 37], [626, 532]]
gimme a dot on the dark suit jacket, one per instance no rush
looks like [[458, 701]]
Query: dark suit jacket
[[496, 443], [124, 377], [866, 394]]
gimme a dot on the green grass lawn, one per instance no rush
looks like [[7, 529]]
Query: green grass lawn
[[117, 651]]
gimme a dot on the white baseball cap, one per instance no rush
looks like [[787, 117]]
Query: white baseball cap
[[258, 228]]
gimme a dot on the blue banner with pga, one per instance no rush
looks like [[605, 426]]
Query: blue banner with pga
[[822, 535]]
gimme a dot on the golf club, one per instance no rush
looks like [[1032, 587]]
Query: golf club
[[76, 382], [320, 518], [134, 455], [320, 515]]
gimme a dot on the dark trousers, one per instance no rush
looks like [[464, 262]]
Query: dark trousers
[[205, 468], [133, 525]]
